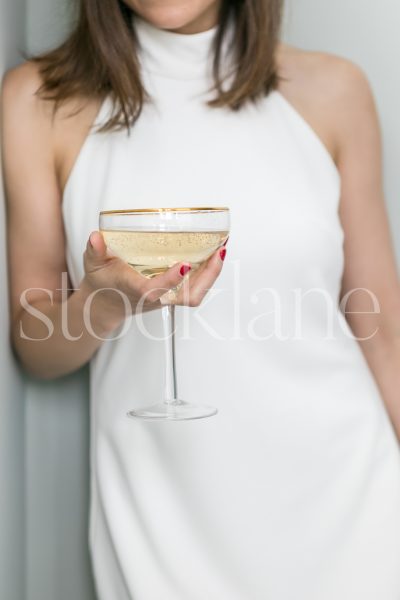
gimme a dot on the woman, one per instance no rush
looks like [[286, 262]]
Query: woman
[[293, 489]]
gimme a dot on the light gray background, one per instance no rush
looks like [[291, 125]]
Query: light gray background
[[12, 520], [44, 442]]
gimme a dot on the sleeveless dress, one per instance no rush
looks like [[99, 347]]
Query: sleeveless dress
[[292, 491]]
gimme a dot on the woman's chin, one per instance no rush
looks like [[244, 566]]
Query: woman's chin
[[168, 18]]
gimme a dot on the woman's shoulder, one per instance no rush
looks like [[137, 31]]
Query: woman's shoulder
[[25, 118], [326, 75], [24, 79], [22, 87], [332, 92], [22, 102], [31, 115], [19, 90]]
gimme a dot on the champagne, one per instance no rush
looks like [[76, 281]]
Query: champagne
[[153, 252]]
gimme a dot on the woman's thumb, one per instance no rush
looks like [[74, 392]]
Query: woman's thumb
[[96, 247]]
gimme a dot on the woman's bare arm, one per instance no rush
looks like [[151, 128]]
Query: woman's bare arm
[[369, 256], [334, 96], [31, 144]]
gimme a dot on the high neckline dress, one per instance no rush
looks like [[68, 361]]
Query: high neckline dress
[[292, 491]]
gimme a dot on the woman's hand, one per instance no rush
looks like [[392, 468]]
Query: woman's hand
[[116, 288]]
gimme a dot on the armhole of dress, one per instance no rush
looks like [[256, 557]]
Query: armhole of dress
[[320, 145], [99, 118]]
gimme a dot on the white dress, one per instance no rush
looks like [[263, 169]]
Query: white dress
[[292, 491]]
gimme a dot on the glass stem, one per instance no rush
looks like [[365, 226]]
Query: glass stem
[[170, 390]]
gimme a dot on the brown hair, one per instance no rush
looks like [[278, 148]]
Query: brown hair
[[99, 58]]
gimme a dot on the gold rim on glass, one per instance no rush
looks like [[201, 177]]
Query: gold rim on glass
[[129, 211]]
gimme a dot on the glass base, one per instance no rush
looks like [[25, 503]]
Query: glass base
[[176, 410]]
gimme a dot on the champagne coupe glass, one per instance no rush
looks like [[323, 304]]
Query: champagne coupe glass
[[151, 241]]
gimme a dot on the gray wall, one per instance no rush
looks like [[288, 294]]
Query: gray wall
[[56, 434], [57, 560], [47, 22], [12, 521]]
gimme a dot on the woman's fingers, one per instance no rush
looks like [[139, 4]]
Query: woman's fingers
[[161, 288], [154, 288], [198, 284]]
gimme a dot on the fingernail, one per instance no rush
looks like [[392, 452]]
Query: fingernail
[[184, 269], [226, 241], [222, 253], [90, 241]]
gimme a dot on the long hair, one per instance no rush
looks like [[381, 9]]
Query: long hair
[[99, 58]]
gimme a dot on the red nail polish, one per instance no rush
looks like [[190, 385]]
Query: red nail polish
[[226, 241], [184, 269], [222, 253]]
